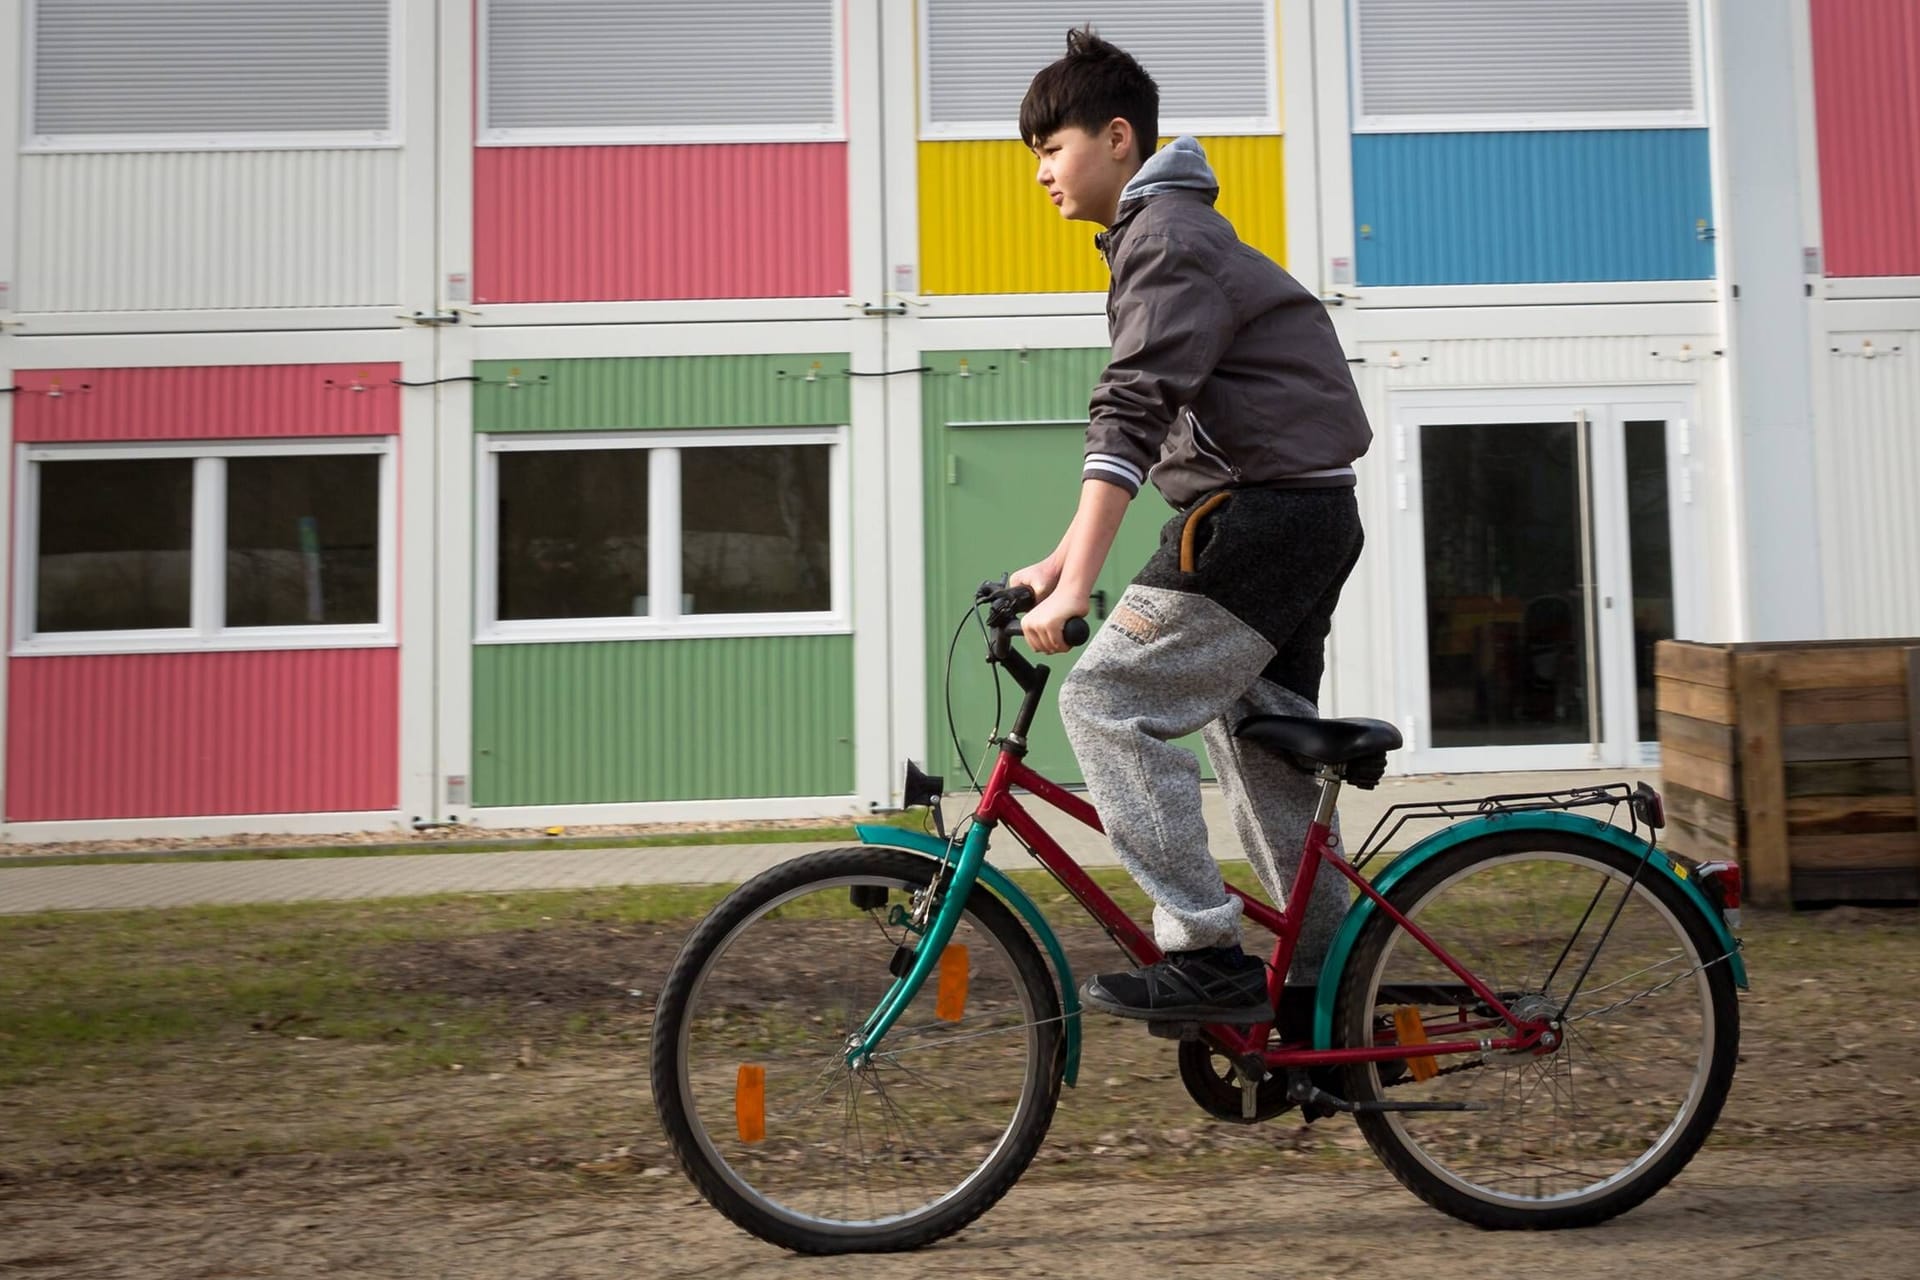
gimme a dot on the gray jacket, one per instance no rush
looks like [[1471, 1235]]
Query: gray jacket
[[1226, 373]]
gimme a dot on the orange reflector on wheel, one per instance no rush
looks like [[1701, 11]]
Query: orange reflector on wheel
[[1411, 1030], [750, 1102], [950, 1001]]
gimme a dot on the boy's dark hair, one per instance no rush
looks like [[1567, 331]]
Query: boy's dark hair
[[1093, 84]]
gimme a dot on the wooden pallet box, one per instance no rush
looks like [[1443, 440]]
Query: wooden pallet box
[[1800, 761]]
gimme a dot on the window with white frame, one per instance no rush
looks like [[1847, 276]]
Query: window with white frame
[[112, 75], [559, 72], [1484, 65], [620, 536], [1214, 60], [248, 545]]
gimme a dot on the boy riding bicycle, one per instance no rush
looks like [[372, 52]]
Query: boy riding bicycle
[[1229, 391]]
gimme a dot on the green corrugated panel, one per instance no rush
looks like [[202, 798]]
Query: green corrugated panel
[[613, 721], [660, 391], [999, 495], [1010, 385]]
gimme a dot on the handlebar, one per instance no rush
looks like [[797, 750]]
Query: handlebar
[[1076, 632], [1003, 622]]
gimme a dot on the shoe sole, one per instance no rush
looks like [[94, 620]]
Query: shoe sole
[[1229, 1015]]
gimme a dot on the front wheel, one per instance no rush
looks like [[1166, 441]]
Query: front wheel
[[1645, 1050], [750, 1046]]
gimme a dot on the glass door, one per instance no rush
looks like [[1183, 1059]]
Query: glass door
[[1540, 567]]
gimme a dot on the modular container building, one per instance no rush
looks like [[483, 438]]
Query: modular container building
[[530, 411]]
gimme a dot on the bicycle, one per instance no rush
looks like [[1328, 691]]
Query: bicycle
[[1531, 1013]]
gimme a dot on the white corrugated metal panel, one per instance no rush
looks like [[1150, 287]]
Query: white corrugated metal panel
[[666, 64], [1463, 58], [1868, 451], [1523, 362], [1213, 59], [154, 231], [120, 67]]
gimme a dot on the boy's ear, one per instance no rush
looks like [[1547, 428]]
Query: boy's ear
[[1119, 138]]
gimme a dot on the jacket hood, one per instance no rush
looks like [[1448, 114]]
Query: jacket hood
[[1181, 165]]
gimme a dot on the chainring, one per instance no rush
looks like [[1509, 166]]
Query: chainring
[[1209, 1078]]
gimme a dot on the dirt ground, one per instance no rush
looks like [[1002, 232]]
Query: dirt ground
[[1732, 1214], [273, 1154]]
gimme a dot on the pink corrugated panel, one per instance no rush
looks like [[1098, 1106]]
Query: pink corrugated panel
[[602, 224], [1866, 78], [197, 734], [209, 402]]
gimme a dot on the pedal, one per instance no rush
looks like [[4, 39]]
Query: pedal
[[1249, 1097], [1174, 1030]]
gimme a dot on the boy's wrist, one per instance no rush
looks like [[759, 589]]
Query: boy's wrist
[[1068, 589]]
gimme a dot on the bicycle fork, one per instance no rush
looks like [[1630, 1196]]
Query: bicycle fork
[[926, 955]]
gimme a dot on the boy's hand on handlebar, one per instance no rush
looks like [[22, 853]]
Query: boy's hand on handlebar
[[1040, 578], [1043, 626]]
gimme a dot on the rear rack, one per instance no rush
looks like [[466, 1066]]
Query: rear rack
[[1644, 810]]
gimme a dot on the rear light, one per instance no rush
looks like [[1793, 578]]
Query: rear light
[[1649, 807], [1721, 880]]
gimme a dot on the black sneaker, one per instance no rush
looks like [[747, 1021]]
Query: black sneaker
[[1221, 984]]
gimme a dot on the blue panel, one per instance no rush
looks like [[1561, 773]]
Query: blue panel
[[1532, 207]]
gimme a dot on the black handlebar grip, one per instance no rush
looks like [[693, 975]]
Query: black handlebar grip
[[1074, 631]]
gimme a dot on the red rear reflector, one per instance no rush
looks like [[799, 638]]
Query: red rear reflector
[[1724, 877], [1727, 876]]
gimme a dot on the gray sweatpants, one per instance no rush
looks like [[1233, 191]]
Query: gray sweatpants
[[1174, 662]]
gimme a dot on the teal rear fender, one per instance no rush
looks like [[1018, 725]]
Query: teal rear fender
[[1014, 896], [1461, 832]]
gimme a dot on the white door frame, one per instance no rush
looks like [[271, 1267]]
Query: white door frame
[[1606, 409]]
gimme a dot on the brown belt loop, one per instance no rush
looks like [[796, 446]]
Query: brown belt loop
[[1194, 518]]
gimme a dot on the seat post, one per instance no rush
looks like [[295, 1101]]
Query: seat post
[[1329, 776]]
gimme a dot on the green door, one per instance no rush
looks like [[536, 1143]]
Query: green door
[[1001, 489]]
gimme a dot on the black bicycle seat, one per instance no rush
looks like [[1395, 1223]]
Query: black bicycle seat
[[1324, 741]]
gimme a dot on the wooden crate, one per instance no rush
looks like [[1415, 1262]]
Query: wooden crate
[[1800, 761]]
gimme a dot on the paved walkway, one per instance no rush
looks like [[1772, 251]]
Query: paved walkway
[[180, 882]]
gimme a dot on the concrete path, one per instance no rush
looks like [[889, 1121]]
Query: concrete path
[[179, 882]]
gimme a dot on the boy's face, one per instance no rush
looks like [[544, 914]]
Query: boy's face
[[1083, 172]]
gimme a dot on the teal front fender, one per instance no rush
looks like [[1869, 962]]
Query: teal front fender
[[1014, 896], [1460, 832]]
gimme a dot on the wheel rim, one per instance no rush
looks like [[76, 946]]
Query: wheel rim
[[854, 1152], [1636, 1050]]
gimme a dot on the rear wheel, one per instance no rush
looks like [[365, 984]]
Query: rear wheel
[[750, 1071], [1645, 1054]]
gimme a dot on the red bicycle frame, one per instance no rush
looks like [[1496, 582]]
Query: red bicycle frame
[[999, 805]]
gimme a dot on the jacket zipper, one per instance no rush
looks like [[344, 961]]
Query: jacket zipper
[[1207, 446]]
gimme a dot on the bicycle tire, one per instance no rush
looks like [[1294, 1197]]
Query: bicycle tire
[[697, 1141], [1583, 1081]]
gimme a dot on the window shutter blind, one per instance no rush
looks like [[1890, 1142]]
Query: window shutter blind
[[111, 67], [1212, 59], [662, 65], [1524, 58]]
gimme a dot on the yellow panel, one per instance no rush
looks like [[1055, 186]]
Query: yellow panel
[[986, 225]]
